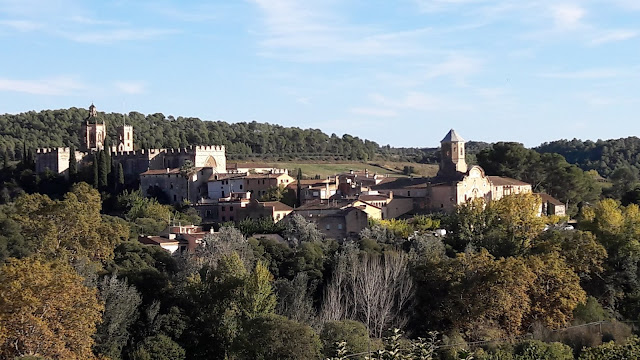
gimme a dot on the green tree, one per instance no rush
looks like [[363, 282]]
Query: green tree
[[258, 297], [121, 303], [159, 347], [353, 333], [95, 170], [103, 170], [187, 170], [276, 337]]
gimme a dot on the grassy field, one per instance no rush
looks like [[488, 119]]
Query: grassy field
[[324, 169]]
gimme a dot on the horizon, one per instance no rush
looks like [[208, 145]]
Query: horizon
[[529, 72]]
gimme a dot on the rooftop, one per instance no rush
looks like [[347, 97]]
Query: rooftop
[[452, 136], [505, 181]]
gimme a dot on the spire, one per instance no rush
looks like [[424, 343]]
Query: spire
[[452, 136]]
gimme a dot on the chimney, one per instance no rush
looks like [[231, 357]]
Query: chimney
[[168, 170], [390, 195]]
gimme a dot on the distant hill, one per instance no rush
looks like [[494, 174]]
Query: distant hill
[[51, 128], [604, 156]]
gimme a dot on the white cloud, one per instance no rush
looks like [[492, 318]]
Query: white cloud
[[567, 16], [312, 33], [116, 35], [414, 100], [588, 74], [48, 86], [377, 112], [131, 87], [614, 36], [21, 25]]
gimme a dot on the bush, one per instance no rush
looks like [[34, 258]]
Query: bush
[[354, 333]]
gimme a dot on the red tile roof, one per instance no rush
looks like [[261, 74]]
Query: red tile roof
[[505, 181]]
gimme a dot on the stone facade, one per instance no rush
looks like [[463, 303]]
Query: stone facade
[[57, 160]]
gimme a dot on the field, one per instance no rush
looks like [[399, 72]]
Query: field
[[324, 169]]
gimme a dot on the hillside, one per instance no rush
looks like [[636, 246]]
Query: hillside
[[604, 156]]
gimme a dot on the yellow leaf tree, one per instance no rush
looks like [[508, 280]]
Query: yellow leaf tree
[[46, 310]]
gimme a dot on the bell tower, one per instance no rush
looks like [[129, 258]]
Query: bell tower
[[452, 155], [93, 133], [125, 138]]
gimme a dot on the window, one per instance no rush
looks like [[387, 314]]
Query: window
[[128, 136], [224, 219], [223, 208], [328, 226], [230, 208], [208, 213], [240, 186], [441, 205], [174, 197], [339, 226], [222, 193], [408, 193], [230, 218], [171, 186]]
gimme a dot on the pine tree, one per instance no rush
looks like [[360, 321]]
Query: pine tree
[[103, 171], [5, 157], [107, 154], [73, 164], [96, 157]]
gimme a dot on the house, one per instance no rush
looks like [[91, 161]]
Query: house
[[551, 206], [255, 209], [335, 219], [171, 184], [179, 238], [259, 184], [355, 182], [315, 189]]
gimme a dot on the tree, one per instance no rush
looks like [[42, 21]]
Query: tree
[[276, 337], [187, 170], [121, 303], [556, 291], [45, 309], [300, 230], [258, 294], [103, 170], [120, 177]]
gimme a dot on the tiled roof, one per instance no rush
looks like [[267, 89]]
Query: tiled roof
[[156, 240], [391, 183], [226, 176], [550, 199], [505, 181], [278, 206], [373, 198], [250, 166], [264, 176], [452, 136], [166, 171], [320, 205]]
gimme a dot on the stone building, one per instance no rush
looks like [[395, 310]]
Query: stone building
[[134, 162]]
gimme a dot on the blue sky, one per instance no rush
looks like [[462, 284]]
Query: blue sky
[[397, 72]]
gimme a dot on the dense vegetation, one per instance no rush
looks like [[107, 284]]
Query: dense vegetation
[[84, 287], [604, 156]]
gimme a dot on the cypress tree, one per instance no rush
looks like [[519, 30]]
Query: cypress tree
[[96, 157], [73, 164], [103, 171], [107, 153], [120, 183], [298, 187]]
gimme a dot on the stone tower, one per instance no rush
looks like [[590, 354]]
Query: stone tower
[[93, 133], [452, 155], [125, 138]]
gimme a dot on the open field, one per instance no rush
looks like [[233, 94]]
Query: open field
[[324, 169]]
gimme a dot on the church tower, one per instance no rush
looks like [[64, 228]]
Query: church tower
[[125, 138], [452, 155], [93, 133]]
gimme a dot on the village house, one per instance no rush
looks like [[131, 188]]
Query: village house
[[178, 238], [315, 189], [335, 219]]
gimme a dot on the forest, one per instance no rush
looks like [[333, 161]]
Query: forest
[[262, 141]]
